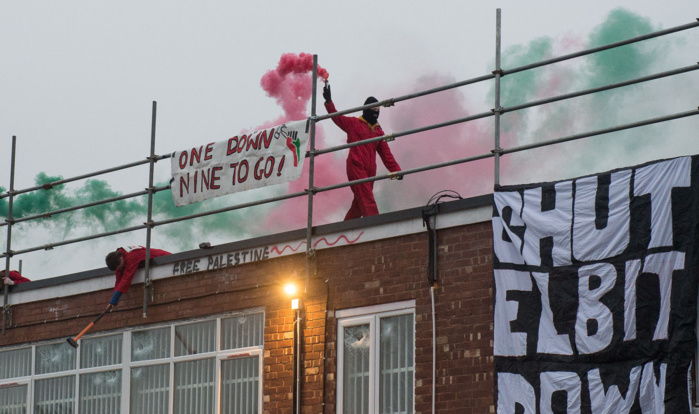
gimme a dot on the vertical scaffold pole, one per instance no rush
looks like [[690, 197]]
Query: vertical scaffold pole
[[497, 109], [148, 285], [310, 254], [311, 159], [6, 289]]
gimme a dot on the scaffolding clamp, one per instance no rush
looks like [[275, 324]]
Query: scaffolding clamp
[[150, 286], [154, 158], [496, 151], [498, 72], [498, 110], [311, 254], [395, 176], [389, 103], [149, 224], [7, 310], [47, 186], [312, 118], [311, 190], [389, 138]]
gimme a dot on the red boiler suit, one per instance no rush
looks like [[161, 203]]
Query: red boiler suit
[[133, 257], [361, 162], [14, 276]]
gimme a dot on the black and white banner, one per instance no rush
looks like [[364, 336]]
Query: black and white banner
[[596, 291]]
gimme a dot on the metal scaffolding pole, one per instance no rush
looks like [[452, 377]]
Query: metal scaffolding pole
[[148, 285], [311, 171], [364, 180], [49, 214], [8, 254], [52, 184], [497, 109], [310, 192], [344, 146], [670, 117]]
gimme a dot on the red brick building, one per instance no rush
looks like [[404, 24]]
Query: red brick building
[[219, 336]]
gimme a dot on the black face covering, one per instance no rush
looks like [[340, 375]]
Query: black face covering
[[371, 115]]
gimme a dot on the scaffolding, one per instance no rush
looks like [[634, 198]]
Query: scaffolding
[[314, 152]]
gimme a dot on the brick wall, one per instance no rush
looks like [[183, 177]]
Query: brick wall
[[394, 270], [384, 271]]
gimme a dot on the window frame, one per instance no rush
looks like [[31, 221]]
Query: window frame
[[126, 365], [371, 315]]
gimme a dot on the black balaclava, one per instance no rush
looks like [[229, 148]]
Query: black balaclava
[[371, 115]]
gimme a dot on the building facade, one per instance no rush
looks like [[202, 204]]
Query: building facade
[[221, 336]]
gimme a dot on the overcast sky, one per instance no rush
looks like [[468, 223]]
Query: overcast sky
[[78, 78]]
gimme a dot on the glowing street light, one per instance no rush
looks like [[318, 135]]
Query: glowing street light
[[290, 289]]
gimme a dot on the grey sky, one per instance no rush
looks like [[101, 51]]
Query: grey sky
[[78, 78]]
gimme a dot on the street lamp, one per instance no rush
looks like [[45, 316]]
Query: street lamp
[[292, 291]]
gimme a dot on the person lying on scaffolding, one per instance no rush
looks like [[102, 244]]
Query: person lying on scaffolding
[[13, 279], [124, 261], [361, 161]]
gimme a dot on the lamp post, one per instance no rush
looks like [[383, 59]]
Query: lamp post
[[292, 291]]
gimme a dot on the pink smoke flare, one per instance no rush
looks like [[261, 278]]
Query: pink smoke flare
[[290, 84]]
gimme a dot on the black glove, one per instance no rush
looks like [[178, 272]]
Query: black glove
[[326, 93]]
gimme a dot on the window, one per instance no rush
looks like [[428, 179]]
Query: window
[[204, 366], [376, 364]]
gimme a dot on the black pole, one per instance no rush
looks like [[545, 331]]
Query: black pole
[[8, 254]]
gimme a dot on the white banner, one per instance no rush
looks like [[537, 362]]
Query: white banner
[[243, 162], [596, 291]]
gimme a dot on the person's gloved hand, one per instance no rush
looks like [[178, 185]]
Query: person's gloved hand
[[8, 281], [326, 93]]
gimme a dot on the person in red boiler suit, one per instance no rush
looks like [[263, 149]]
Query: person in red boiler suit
[[13, 279], [124, 261], [361, 162]]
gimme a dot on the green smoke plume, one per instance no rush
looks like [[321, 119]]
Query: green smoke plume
[[625, 62], [593, 112], [123, 213]]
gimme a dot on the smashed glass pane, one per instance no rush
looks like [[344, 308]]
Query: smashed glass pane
[[357, 344], [100, 393], [242, 331], [195, 338], [55, 358], [151, 344], [99, 352]]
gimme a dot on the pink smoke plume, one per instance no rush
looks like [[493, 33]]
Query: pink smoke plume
[[290, 84], [436, 146]]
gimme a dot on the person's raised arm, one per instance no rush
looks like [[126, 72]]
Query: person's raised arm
[[341, 121]]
